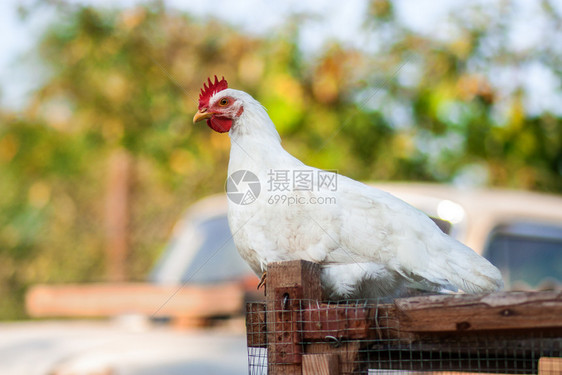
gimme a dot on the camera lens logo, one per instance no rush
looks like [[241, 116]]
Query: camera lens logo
[[243, 187]]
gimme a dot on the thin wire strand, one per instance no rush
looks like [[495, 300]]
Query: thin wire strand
[[170, 77], [184, 283]]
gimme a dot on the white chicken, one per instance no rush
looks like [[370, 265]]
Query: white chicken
[[368, 242]]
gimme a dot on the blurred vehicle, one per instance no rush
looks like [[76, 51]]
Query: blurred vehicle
[[520, 232]]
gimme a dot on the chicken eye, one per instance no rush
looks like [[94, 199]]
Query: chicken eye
[[223, 102]]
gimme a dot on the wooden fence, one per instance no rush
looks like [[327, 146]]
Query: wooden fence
[[294, 332]]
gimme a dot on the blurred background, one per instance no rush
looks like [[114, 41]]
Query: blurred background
[[99, 158], [100, 161]]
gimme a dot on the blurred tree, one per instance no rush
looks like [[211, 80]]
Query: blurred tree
[[125, 82], [461, 103], [120, 83]]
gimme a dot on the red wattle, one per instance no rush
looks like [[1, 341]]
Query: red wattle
[[219, 124]]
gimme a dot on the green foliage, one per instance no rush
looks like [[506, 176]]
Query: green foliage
[[418, 108]]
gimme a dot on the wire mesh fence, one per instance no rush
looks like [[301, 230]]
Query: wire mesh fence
[[367, 339], [501, 333]]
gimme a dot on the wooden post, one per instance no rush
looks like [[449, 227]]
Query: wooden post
[[117, 212], [288, 283]]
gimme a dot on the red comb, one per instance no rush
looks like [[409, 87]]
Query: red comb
[[207, 92]]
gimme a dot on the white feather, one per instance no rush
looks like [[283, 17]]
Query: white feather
[[369, 243]]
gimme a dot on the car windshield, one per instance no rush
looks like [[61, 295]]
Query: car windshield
[[217, 258], [529, 255], [204, 252]]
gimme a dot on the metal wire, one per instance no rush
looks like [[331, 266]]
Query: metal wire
[[384, 349]]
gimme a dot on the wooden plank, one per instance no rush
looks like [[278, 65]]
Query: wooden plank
[[352, 356], [457, 313], [550, 366], [320, 364], [504, 310], [321, 320], [99, 300]]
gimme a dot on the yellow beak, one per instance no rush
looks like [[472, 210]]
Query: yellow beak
[[202, 115]]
